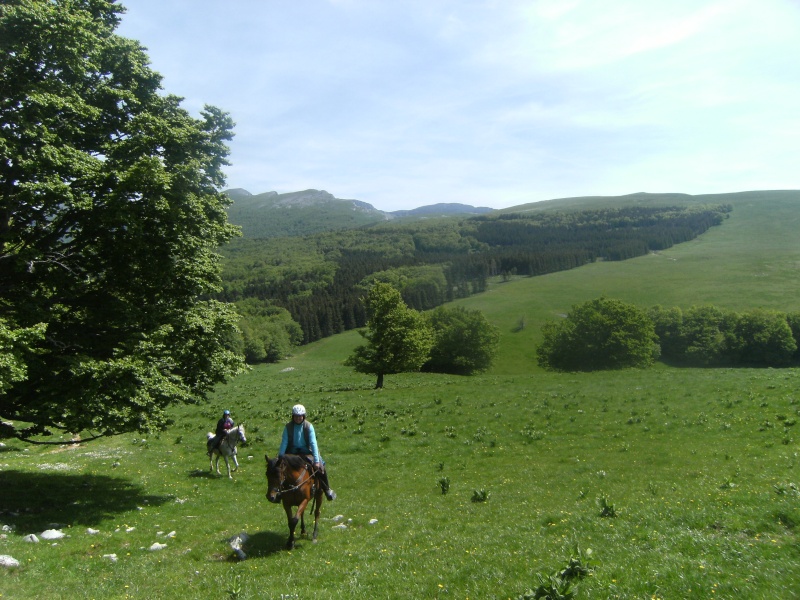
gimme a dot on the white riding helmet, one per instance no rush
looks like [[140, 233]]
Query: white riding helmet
[[299, 409]]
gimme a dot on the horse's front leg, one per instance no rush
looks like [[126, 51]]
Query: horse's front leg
[[228, 466], [235, 462], [292, 519], [300, 511], [216, 463]]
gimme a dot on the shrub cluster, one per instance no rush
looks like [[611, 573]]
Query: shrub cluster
[[610, 334]]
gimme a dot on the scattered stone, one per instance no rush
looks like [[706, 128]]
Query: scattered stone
[[287, 370], [52, 534], [31, 538], [236, 544], [7, 528], [91, 531], [8, 561], [129, 529], [337, 518], [156, 546], [373, 521], [340, 526], [111, 557]]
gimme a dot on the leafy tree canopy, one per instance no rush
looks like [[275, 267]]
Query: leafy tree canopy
[[109, 222], [398, 338], [464, 341], [599, 334]]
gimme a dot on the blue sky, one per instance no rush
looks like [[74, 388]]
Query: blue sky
[[403, 103]]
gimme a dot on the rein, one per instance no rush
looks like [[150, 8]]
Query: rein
[[298, 483]]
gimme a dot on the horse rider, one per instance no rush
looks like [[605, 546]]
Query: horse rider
[[299, 438], [224, 425]]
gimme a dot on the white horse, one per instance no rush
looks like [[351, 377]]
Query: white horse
[[226, 448]]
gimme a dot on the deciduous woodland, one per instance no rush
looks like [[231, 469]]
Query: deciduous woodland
[[321, 279]]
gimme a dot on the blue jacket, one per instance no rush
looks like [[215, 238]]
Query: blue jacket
[[300, 439]]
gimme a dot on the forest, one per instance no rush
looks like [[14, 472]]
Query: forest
[[316, 283]]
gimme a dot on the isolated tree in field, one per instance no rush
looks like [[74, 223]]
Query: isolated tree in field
[[464, 342], [599, 334], [398, 338], [110, 215]]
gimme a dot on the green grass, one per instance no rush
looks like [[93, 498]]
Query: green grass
[[700, 465]]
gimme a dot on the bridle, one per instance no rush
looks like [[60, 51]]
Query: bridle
[[283, 486]]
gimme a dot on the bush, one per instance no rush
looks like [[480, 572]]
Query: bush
[[464, 341], [599, 334]]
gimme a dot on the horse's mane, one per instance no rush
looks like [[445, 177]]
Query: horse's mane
[[294, 461]]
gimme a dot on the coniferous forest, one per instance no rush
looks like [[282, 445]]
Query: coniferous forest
[[317, 282]]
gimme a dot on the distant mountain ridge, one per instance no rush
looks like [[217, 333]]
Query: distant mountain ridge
[[271, 214]]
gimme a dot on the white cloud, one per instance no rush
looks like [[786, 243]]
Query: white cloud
[[488, 102]]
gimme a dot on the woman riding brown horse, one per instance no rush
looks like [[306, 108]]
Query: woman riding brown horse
[[291, 480]]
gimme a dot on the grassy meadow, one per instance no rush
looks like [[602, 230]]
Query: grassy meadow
[[668, 483]]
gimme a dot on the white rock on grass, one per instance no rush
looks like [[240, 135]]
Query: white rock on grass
[[91, 531], [52, 534], [8, 561], [111, 557], [337, 518], [340, 526], [236, 544], [31, 538], [373, 521], [156, 547]]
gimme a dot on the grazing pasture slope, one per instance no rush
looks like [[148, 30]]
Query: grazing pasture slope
[[666, 482]]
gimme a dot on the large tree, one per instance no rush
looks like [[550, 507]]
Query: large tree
[[110, 217], [599, 334], [398, 338], [464, 341]]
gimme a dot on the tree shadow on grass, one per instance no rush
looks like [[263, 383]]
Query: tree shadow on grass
[[35, 501]]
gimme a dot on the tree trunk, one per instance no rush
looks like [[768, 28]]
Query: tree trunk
[[379, 384]]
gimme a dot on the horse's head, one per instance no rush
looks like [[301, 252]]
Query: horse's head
[[275, 477], [242, 437]]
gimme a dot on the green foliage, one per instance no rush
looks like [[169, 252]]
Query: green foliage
[[398, 338], [599, 334], [431, 262], [15, 346], [464, 342], [480, 495], [267, 333], [561, 585], [606, 510], [550, 587], [109, 227], [710, 336], [444, 484]]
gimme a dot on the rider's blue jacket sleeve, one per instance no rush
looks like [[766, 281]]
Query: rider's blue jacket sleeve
[[312, 439], [284, 441]]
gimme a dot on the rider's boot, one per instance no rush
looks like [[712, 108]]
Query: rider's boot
[[326, 487]]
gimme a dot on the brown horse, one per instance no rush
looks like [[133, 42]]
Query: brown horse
[[291, 480]]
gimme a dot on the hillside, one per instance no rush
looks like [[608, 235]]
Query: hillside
[[320, 278], [460, 487], [308, 212]]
